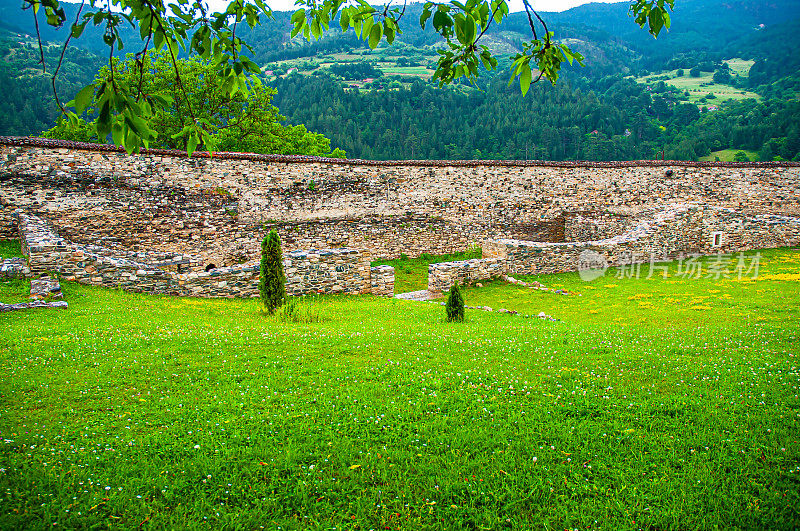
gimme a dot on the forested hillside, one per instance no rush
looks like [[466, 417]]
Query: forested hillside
[[608, 119], [26, 92], [723, 79]]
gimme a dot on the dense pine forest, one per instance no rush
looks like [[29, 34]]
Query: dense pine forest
[[723, 82], [28, 104], [608, 119]]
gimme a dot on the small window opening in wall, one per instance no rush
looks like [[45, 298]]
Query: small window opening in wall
[[716, 239], [209, 267]]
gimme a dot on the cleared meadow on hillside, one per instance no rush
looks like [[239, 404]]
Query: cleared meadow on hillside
[[727, 155], [700, 87]]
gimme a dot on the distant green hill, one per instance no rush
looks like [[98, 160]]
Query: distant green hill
[[378, 103], [708, 26], [26, 92]]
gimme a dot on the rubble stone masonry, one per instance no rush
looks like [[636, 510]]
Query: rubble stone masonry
[[307, 272], [180, 215]]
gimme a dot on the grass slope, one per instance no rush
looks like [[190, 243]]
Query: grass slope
[[128, 410], [700, 87], [385, 59], [10, 249], [13, 291], [726, 155], [411, 274]]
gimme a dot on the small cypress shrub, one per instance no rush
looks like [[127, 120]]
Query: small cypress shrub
[[272, 279], [455, 305]]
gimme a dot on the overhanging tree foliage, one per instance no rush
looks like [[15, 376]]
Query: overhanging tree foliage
[[187, 26], [235, 122]]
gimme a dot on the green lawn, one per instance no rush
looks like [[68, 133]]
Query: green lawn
[[12, 291], [678, 301], [129, 410], [699, 87], [419, 71], [387, 64], [740, 66], [411, 274], [726, 155], [10, 248]]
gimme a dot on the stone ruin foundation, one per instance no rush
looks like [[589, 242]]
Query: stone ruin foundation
[[162, 222]]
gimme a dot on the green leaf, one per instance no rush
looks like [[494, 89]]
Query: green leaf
[[158, 39], [191, 143], [296, 29], [525, 78], [250, 65], [375, 35], [77, 29], [316, 30], [423, 18], [441, 21], [469, 30], [666, 17], [656, 22], [83, 98], [209, 142], [389, 31], [486, 60], [366, 27], [299, 16], [131, 143], [135, 124], [117, 134], [181, 133], [460, 21]]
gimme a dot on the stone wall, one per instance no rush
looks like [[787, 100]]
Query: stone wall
[[676, 231], [668, 234], [218, 209], [443, 275], [14, 268], [157, 221], [314, 271], [382, 280], [587, 226], [9, 228]]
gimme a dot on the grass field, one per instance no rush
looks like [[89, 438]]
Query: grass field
[[411, 274], [129, 410], [418, 71], [700, 87], [726, 155], [739, 66], [385, 62], [9, 248], [678, 301]]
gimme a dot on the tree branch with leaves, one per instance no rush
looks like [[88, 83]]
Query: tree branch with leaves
[[242, 122]]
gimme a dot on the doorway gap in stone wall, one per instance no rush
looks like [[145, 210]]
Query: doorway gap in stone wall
[[411, 274]]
